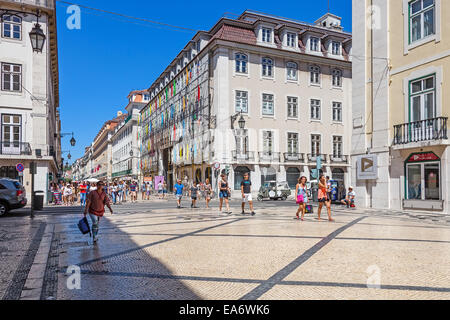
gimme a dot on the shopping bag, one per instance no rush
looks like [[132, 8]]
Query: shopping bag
[[83, 225]]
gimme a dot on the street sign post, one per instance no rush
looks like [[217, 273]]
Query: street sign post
[[20, 167]]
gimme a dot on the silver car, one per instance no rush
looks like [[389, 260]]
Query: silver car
[[12, 195]]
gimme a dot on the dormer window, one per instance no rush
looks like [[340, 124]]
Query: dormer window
[[291, 39], [314, 44], [336, 48], [267, 35]]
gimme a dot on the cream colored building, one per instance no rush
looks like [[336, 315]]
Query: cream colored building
[[30, 122], [401, 102], [292, 83]]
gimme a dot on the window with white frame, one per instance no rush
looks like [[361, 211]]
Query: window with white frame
[[314, 74], [267, 67], [11, 132], [337, 147], [291, 39], [337, 112], [423, 99], [337, 78], [292, 141], [11, 77], [422, 19], [266, 35], [315, 145], [336, 48], [291, 71], [267, 104], [315, 109], [241, 63], [292, 107], [11, 27], [314, 44], [267, 142], [241, 101]]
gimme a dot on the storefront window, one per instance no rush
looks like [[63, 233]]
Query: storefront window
[[414, 182], [423, 177], [292, 176]]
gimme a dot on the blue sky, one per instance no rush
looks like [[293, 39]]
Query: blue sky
[[110, 56]]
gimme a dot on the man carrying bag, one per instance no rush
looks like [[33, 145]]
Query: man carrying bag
[[96, 201]]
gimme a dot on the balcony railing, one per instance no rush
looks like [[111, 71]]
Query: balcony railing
[[424, 130], [243, 156], [338, 159], [269, 156], [294, 157], [313, 157], [15, 148]]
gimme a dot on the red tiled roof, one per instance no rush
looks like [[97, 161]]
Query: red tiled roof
[[236, 34]]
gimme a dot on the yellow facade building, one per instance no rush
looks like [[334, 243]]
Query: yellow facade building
[[401, 103]]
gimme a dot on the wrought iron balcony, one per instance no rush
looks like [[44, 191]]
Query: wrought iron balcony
[[424, 130], [243, 156], [294, 157], [268, 156], [15, 148], [313, 157], [338, 158]]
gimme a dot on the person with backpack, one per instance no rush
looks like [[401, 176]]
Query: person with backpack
[[301, 192], [95, 207]]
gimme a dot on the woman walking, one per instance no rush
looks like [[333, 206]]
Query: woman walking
[[224, 193], [302, 197], [208, 192], [323, 198]]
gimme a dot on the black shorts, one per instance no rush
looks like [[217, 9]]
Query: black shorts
[[194, 198], [323, 200]]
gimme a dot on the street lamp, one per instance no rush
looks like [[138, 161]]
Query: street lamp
[[241, 120], [37, 37], [131, 153], [73, 142]]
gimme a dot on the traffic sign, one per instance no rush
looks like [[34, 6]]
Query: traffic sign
[[20, 167]]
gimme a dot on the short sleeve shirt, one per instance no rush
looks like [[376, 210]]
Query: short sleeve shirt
[[179, 189], [247, 184]]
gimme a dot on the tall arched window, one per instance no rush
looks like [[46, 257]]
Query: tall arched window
[[291, 71], [267, 67], [337, 78], [315, 74], [11, 27], [241, 63]]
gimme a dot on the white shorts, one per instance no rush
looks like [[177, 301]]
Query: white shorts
[[247, 198]]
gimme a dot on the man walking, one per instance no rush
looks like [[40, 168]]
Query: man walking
[[178, 189], [95, 207], [246, 190]]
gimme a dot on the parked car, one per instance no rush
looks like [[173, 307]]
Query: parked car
[[274, 190], [12, 195]]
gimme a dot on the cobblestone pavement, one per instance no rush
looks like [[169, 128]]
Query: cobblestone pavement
[[20, 238], [154, 251]]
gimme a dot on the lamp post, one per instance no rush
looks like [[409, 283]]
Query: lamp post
[[37, 36]]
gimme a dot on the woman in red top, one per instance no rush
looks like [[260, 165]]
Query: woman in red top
[[323, 198]]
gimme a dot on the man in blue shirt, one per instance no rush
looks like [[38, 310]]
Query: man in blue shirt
[[178, 189]]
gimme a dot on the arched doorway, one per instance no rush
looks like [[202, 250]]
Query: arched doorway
[[292, 175], [268, 174], [239, 176], [208, 173], [338, 174], [198, 176]]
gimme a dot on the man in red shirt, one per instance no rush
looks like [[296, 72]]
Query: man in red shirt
[[96, 201], [83, 192]]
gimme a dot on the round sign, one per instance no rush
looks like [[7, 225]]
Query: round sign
[[20, 167], [217, 166]]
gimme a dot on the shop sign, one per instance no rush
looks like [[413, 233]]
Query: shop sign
[[367, 167], [148, 179], [421, 157]]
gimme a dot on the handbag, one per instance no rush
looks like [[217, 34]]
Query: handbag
[[83, 225], [300, 199], [309, 208]]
